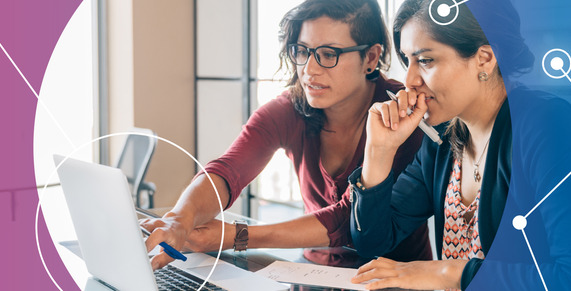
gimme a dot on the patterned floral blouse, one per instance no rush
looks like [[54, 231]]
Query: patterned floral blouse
[[461, 238]]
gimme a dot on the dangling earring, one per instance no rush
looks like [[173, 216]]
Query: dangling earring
[[483, 76]]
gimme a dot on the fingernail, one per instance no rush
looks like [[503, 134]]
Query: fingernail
[[402, 113], [395, 126]]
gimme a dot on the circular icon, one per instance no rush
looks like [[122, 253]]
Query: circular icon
[[519, 222], [557, 63], [443, 10]]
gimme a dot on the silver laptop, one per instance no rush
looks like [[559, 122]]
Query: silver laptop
[[111, 241]]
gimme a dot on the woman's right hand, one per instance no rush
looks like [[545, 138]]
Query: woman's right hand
[[171, 229], [388, 127]]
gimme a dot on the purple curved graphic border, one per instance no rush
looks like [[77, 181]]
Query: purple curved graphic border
[[29, 31]]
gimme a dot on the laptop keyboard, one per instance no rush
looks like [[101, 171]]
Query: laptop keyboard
[[172, 278]]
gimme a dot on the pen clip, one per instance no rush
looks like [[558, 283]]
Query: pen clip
[[392, 95]]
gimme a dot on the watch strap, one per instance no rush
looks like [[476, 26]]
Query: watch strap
[[241, 239]]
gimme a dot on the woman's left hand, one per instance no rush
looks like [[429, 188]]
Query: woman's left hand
[[433, 275], [206, 238]]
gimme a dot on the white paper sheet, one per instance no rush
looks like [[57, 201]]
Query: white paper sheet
[[309, 274]]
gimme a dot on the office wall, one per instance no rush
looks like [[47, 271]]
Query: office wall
[[151, 84], [220, 69], [120, 69]]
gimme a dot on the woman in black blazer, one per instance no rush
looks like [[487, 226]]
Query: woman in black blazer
[[454, 81]]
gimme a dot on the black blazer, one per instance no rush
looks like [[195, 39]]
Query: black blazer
[[379, 220]]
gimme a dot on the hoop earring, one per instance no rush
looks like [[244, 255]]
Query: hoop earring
[[483, 76]]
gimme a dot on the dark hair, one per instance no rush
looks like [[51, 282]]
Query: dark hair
[[366, 25], [465, 35]]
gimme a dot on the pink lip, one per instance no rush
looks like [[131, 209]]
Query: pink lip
[[315, 88]]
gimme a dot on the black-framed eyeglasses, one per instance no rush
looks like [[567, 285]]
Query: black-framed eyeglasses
[[326, 56]]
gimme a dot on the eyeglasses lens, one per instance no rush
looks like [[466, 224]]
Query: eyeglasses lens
[[326, 57]]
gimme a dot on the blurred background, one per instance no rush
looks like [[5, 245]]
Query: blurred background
[[191, 71]]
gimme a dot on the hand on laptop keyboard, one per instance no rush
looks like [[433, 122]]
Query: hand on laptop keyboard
[[167, 229]]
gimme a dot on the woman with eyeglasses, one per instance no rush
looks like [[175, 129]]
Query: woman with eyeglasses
[[334, 50], [453, 78]]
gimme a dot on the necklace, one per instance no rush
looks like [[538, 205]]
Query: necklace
[[477, 176]]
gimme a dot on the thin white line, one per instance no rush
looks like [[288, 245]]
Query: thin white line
[[533, 257], [458, 3], [41, 194], [36, 94], [548, 194], [565, 74], [49, 113]]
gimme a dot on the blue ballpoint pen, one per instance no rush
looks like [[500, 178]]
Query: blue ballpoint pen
[[428, 130], [172, 252]]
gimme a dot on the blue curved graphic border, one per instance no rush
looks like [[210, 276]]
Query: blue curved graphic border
[[537, 258]]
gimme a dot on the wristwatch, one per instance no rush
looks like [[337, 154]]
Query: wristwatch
[[241, 239]]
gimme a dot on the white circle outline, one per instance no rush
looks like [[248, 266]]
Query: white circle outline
[[543, 63], [443, 23], [40, 194]]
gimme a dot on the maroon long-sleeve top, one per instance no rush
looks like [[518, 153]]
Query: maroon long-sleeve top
[[277, 125]]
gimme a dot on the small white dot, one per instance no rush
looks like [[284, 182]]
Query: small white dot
[[519, 222], [443, 10], [557, 63]]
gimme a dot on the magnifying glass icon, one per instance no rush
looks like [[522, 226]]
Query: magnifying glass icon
[[444, 10], [557, 64]]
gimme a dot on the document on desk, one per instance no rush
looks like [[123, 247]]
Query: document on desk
[[309, 274]]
